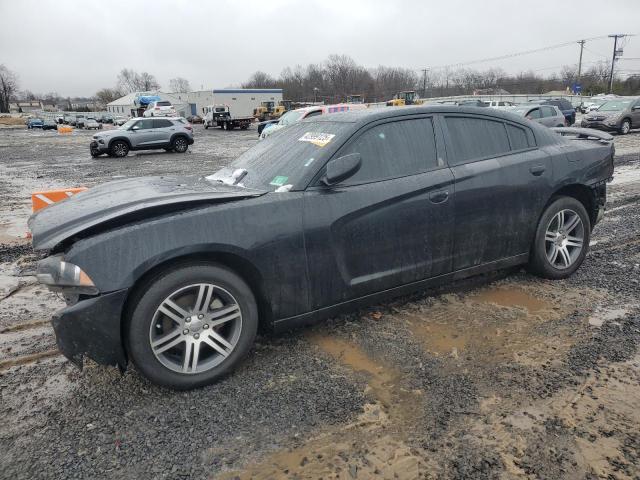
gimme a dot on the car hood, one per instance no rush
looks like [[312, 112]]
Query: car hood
[[121, 199], [597, 115]]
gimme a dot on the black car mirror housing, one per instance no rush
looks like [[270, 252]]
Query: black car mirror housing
[[341, 168]]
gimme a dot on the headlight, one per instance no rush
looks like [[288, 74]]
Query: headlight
[[57, 274]]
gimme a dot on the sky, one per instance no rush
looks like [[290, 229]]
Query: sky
[[76, 47]]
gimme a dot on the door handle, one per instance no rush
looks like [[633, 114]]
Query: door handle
[[439, 197], [537, 170]]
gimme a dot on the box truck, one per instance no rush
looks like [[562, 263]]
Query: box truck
[[233, 107]]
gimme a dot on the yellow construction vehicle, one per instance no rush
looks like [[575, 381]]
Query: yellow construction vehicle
[[264, 111], [283, 107], [409, 97]]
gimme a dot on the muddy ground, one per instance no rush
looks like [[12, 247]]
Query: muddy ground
[[500, 376]]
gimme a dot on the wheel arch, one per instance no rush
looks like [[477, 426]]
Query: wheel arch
[[176, 135], [581, 192], [236, 263], [115, 139]]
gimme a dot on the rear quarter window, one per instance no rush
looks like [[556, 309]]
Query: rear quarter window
[[518, 137], [475, 138]]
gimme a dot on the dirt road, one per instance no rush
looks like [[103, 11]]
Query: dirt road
[[500, 376]]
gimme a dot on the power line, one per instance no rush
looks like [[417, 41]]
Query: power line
[[516, 54]]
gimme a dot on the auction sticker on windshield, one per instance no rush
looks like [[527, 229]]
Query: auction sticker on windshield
[[279, 181], [317, 138]]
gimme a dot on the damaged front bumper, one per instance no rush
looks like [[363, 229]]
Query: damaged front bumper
[[92, 328]]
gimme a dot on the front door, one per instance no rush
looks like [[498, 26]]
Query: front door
[[388, 225], [142, 133]]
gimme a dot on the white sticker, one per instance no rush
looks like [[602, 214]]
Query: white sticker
[[319, 139]]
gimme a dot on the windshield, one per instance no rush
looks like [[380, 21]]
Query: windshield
[[614, 105], [290, 118], [284, 158], [128, 124]]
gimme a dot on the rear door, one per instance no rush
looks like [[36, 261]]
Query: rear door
[[501, 181], [635, 114], [548, 114], [163, 129], [388, 225]]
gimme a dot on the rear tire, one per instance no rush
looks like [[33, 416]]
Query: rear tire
[[119, 149], [562, 239], [625, 127], [203, 308], [180, 145]]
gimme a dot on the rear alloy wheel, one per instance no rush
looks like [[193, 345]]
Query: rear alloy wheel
[[562, 239], [191, 326], [180, 145], [119, 149], [625, 127]]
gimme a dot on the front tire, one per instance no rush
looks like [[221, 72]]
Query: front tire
[[119, 149], [191, 325], [562, 239], [625, 127]]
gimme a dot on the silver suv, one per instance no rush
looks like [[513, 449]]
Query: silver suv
[[171, 133]]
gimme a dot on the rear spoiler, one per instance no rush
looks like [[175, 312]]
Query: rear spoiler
[[584, 133]]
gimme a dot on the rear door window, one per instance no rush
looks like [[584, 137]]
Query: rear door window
[[474, 138], [547, 111], [161, 123], [394, 149], [533, 114]]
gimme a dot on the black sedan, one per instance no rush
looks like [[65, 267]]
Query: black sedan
[[177, 274]]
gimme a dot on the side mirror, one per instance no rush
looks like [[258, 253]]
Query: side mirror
[[134, 128], [342, 168], [637, 107]]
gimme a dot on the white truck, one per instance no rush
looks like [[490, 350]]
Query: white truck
[[233, 107]]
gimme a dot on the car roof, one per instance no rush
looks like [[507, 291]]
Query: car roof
[[372, 114]]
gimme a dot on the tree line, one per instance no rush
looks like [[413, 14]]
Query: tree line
[[339, 76]]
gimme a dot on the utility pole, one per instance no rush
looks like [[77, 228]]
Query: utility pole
[[613, 57], [581, 42], [424, 83]]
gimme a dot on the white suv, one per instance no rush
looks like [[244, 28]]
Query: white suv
[[160, 108]]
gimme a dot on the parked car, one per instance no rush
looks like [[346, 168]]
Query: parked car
[[194, 119], [171, 134], [34, 123], [59, 119], [71, 120], [160, 108], [472, 103], [92, 123], [49, 125], [107, 118], [547, 115], [294, 116], [619, 115], [118, 120], [563, 105], [176, 273], [80, 121]]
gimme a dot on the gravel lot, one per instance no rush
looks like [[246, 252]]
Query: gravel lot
[[500, 376]]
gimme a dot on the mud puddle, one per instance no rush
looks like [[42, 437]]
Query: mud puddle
[[500, 324], [374, 446]]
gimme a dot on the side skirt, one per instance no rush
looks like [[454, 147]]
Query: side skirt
[[314, 316]]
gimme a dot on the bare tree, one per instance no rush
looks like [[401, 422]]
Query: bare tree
[[259, 80], [148, 82], [130, 81], [179, 85], [107, 95]]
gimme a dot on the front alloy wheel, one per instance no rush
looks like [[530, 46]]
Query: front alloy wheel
[[190, 325], [625, 127], [195, 328]]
